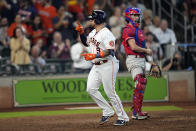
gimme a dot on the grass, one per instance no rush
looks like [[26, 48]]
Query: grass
[[79, 111]]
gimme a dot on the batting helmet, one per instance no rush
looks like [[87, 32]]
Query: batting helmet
[[99, 16], [133, 11]]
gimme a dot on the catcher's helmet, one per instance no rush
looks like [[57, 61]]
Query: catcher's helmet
[[99, 16], [133, 11]]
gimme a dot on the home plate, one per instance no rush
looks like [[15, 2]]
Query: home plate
[[78, 108]]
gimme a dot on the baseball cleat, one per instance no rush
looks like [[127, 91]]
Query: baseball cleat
[[120, 123], [140, 116], [146, 114], [104, 119]]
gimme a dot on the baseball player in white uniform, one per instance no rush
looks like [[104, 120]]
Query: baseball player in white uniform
[[105, 68]]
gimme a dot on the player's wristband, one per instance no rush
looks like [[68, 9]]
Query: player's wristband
[[100, 54]]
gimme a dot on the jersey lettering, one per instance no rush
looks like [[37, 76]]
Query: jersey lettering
[[96, 43], [101, 41]]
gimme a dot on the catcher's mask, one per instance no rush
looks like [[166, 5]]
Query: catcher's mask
[[99, 16], [133, 11]]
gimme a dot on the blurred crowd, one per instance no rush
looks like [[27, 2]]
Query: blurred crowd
[[38, 35]]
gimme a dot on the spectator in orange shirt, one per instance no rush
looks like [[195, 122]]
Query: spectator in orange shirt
[[17, 23], [90, 5], [46, 12], [75, 6], [36, 30]]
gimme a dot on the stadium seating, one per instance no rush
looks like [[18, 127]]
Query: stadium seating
[[30, 69]]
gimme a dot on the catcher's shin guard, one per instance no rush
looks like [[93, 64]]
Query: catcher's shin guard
[[140, 82]]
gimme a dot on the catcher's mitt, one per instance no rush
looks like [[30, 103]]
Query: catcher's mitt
[[155, 71]]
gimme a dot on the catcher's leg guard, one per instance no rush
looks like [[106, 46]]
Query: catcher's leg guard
[[140, 82]]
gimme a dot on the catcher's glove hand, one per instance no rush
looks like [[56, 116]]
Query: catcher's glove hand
[[155, 71]]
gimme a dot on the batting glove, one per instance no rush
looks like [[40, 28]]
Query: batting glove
[[79, 28], [89, 56]]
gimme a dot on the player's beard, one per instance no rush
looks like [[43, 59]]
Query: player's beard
[[92, 25]]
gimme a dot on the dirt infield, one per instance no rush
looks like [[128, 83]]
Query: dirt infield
[[160, 120]]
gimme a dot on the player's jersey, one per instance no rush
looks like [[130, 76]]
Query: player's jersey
[[99, 41], [131, 32]]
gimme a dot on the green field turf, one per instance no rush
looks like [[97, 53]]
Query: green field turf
[[79, 111]]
